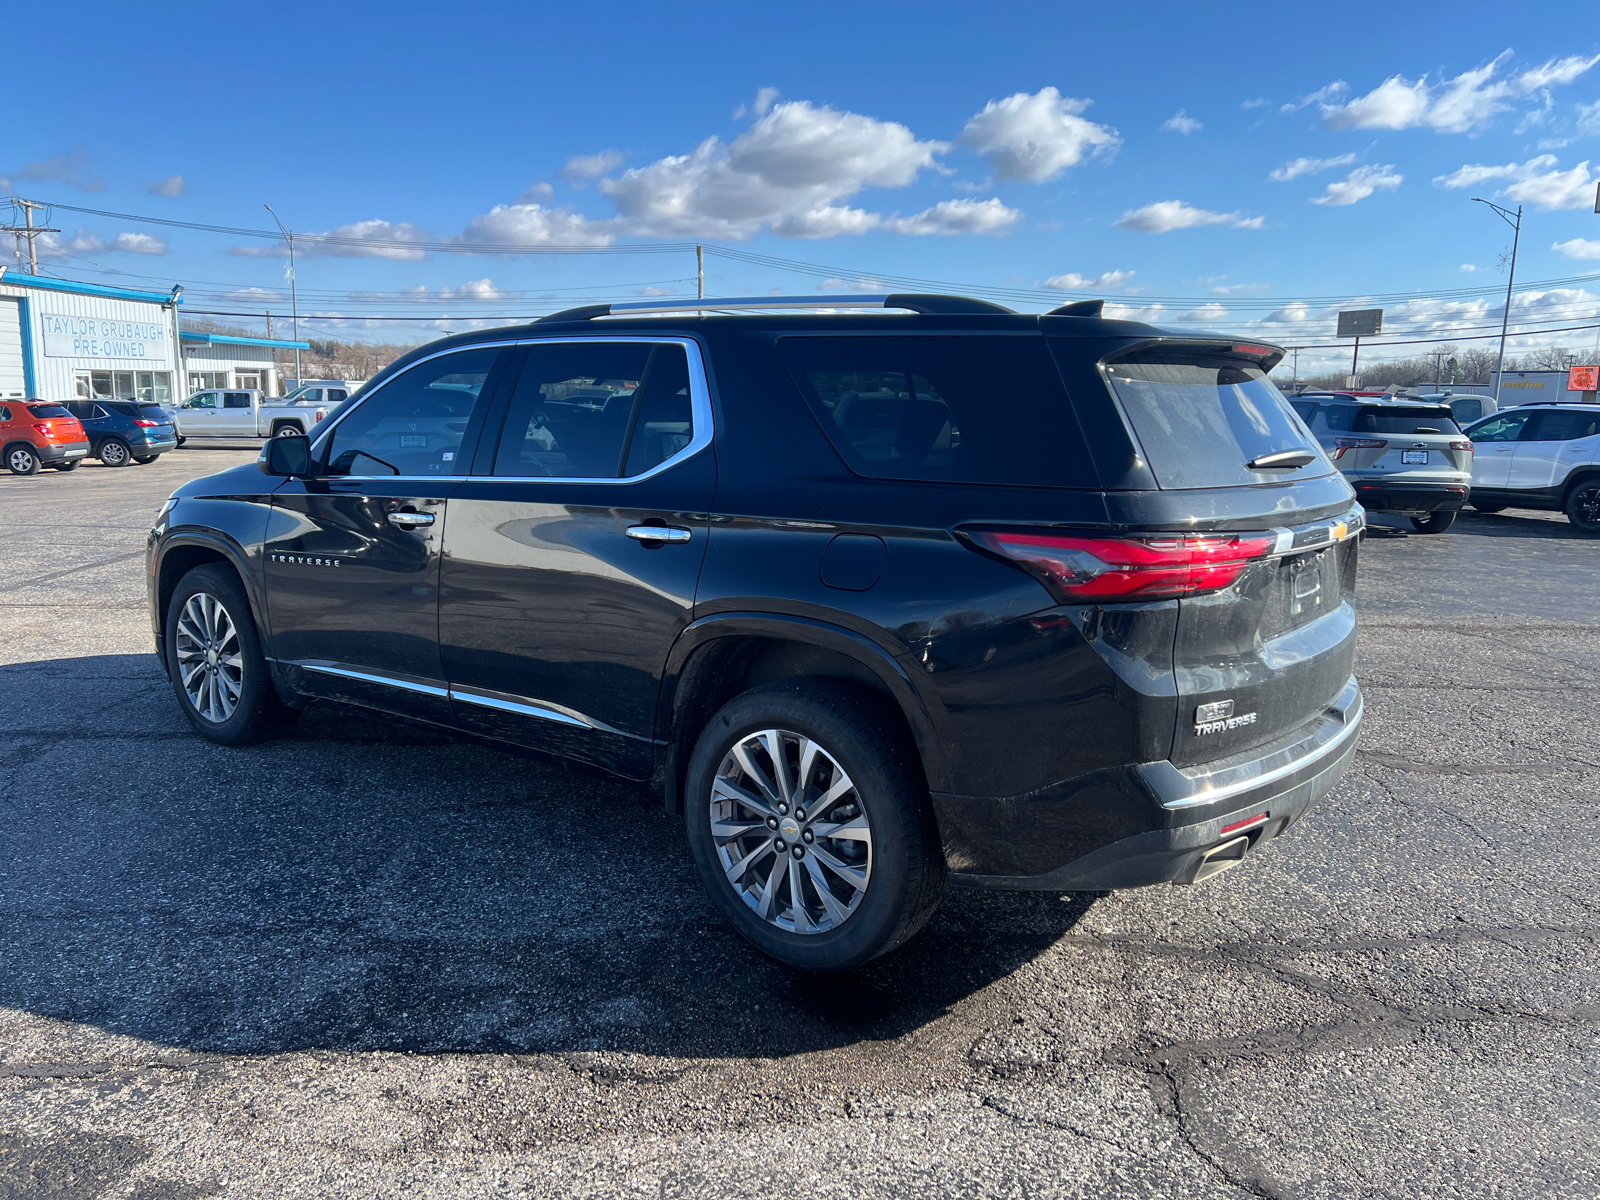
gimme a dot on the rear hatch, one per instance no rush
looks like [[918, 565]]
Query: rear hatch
[[1264, 646], [1420, 443]]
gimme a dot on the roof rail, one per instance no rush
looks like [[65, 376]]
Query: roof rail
[[910, 302]]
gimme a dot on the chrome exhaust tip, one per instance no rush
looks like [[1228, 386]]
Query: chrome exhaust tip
[[1229, 854]]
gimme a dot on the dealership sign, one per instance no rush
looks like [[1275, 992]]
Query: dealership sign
[[105, 338]]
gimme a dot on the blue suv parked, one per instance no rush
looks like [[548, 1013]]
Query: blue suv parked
[[121, 431]]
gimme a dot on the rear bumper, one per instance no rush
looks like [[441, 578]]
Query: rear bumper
[[1205, 818], [65, 452], [1410, 497]]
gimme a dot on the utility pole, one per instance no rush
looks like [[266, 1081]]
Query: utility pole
[[1295, 350], [700, 271], [1355, 356], [1505, 215], [294, 295], [28, 230], [1438, 368]]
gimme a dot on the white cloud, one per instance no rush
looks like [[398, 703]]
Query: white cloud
[[787, 172], [171, 186], [70, 169], [255, 295], [1578, 248], [1360, 184], [87, 243], [474, 289], [1292, 313], [957, 216], [1297, 167], [1454, 105], [535, 192], [765, 98], [534, 225], [1535, 182], [853, 285], [1166, 215], [1181, 122], [362, 239], [658, 291], [1324, 96], [1241, 289], [1073, 282], [1589, 119], [586, 166], [1256, 103], [1468, 268], [1032, 138]]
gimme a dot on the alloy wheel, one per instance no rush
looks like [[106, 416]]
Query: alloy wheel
[[790, 831], [1586, 506], [21, 461], [210, 661], [113, 454]]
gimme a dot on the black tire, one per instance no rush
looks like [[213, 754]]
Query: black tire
[[66, 466], [146, 458], [181, 441], [256, 710], [1583, 506], [22, 459], [1434, 522], [286, 429], [1488, 508], [114, 452], [905, 873]]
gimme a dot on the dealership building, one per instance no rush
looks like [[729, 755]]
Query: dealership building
[[64, 340]]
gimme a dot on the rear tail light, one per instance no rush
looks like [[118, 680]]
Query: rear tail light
[[140, 421], [1343, 444], [47, 430], [1467, 446], [319, 415], [1146, 567]]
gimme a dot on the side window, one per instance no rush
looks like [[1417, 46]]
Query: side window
[[206, 400], [311, 396], [5, 412], [335, 395], [236, 400], [1466, 410], [596, 410], [1305, 409], [1501, 429], [1560, 425], [414, 424]]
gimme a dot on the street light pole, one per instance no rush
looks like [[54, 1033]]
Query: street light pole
[[1516, 224], [294, 294]]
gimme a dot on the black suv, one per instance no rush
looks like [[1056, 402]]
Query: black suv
[[1050, 602], [124, 431]]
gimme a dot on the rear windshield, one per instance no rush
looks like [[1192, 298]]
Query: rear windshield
[[960, 408], [153, 412], [1200, 420], [43, 411], [1371, 418]]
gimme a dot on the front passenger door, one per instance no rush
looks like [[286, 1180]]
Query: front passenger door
[[201, 415], [352, 555], [1494, 443]]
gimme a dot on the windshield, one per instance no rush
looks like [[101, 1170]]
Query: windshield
[[1202, 420], [1373, 418]]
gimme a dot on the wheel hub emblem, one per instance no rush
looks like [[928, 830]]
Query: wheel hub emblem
[[789, 829]]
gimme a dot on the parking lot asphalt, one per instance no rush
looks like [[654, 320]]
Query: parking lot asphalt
[[367, 960]]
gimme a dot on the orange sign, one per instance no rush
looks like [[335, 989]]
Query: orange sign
[[1583, 379]]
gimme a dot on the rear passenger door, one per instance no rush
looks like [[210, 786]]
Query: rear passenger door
[[238, 417], [573, 551]]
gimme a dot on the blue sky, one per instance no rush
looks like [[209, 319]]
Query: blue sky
[[1233, 167]]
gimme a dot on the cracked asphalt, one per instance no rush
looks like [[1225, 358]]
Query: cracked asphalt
[[360, 960]]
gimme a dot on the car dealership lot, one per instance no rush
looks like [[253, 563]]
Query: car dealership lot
[[365, 959]]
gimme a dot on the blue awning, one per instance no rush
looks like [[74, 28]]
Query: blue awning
[[222, 339], [90, 289]]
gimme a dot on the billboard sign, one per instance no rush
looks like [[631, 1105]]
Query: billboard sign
[[105, 338], [1583, 379], [1361, 322]]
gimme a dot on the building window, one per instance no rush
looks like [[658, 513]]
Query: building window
[[100, 385], [200, 381], [154, 387], [81, 387], [247, 379]]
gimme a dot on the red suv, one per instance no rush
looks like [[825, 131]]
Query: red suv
[[37, 433]]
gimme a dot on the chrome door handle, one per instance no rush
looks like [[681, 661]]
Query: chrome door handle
[[657, 533], [410, 520]]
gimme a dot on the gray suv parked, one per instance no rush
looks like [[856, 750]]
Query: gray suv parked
[[1400, 457]]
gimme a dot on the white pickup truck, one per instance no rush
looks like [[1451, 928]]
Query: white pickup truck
[[245, 412]]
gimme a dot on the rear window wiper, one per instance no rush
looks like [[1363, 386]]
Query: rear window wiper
[[1282, 460]]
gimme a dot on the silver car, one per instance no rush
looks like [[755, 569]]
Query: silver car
[[1399, 456]]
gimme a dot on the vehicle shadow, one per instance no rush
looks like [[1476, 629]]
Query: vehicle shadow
[[1510, 523], [357, 884]]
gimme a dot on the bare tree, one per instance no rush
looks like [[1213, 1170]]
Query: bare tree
[[1552, 358]]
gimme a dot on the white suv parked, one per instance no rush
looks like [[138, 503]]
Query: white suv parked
[[1539, 456]]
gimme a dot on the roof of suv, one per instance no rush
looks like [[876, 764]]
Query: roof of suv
[[920, 313]]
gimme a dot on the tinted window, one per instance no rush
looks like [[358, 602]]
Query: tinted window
[[1500, 429], [122, 410], [80, 409], [5, 413], [1561, 425], [578, 406], [310, 396], [236, 400], [154, 412], [1304, 408], [961, 409], [414, 424], [43, 411], [1466, 410], [1372, 418], [336, 394], [1201, 421], [203, 400]]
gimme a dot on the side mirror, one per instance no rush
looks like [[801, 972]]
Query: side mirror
[[289, 455]]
